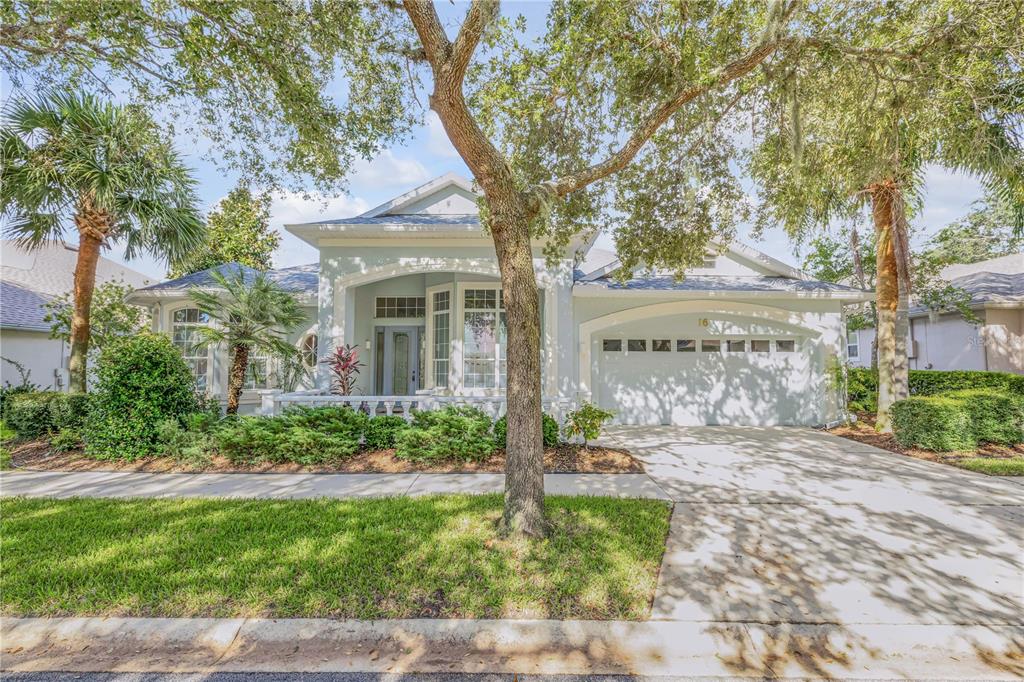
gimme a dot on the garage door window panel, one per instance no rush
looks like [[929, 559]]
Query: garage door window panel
[[760, 346], [661, 345], [736, 346], [612, 345], [785, 346], [710, 346], [686, 345], [637, 345]]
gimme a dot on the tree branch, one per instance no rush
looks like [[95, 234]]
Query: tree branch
[[654, 120], [480, 14]]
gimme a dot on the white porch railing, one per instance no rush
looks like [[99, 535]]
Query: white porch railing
[[274, 401]]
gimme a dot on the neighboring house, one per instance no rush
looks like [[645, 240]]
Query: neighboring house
[[414, 283], [29, 279], [946, 341]]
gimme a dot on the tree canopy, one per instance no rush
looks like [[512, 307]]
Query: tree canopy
[[237, 231]]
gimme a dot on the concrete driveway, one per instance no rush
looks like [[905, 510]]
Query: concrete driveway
[[806, 538]]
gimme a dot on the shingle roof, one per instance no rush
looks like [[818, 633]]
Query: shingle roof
[[405, 219], [992, 287], [22, 308], [50, 269], [297, 279], [720, 283]]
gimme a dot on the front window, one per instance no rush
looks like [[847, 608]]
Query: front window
[[484, 338], [852, 345], [442, 303], [257, 373], [184, 325], [308, 351]]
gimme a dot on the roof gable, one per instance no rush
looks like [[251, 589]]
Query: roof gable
[[734, 260], [450, 194]]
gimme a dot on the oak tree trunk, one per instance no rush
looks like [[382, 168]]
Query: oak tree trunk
[[524, 464], [236, 376], [93, 225], [891, 306]]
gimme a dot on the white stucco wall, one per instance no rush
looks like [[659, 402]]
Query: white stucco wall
[[42, 356], [1003, 335]]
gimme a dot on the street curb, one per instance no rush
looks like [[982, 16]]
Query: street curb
[[651, 648]]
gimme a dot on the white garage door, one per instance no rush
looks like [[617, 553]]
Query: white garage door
[[766, 376]]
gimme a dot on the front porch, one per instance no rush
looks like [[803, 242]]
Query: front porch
[[428, 326]]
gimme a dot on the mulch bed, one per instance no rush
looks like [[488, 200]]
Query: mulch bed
[[37, 455], [863, 431]]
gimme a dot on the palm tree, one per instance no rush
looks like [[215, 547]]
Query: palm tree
[[70, 158], [250, 316]]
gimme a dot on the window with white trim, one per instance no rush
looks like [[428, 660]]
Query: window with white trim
[[400, 307], [184, 335], [785, 346], [484, 338], [442, 303], [852, 345], [257, 372], [308, 350]]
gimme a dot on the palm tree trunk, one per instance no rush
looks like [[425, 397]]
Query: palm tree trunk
[[236, 376], [524, 463], [93, 226], [891, 307]]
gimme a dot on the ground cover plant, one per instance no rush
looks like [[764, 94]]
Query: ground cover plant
[[438, 556]]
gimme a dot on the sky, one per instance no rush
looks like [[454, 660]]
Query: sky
[[428, 153]]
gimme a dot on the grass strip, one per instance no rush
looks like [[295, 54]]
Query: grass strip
[[439, 556]]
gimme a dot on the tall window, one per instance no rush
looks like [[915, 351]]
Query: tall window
[[257, 373], [484, 339], [184, 323], [852, 345], [308, 350], [442, 303]]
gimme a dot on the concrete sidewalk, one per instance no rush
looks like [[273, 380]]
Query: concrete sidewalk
[[680, 649], [297, 486]]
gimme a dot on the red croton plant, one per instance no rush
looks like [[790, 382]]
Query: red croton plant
[[344, 365]]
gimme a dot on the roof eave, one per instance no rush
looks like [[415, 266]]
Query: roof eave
[[583, 290]]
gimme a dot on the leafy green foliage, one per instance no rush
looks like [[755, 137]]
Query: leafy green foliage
[[986, 232], [932, 423], [959, 420], [302, 435], [69, 411], [992, 466], [191, 445], [66, 440], [29, 413], [996, 417], [862, 384], [110, 316], [460, 433], [549, 430], [383, 430], [586, 422], [140, 382], [237, 231]]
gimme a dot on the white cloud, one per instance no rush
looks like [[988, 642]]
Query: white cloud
[[288, 208], [387, 170], [438, 143]]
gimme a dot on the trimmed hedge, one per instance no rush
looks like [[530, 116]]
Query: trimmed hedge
[[383, 430], [862, 384], [462, 433], [28, 414], [304, 435], [959, 420]]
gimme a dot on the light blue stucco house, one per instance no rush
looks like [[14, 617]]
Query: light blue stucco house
[[414, 283]]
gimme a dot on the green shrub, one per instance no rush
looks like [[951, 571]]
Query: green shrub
[[66, 439], [382, 431], [932, 423], [586, 422], [862, 384], [187, 445], [462, 433], [29, 413], [996, 417], [140, 381], [304, 435], [68, 411], [548, 425]]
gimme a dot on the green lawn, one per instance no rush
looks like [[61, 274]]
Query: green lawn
[[1009, 466], [374, 558], [6, 434]]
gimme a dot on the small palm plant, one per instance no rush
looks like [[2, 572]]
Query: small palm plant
[[250, 317], [68, 158]]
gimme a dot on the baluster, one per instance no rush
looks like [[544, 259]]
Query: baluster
[[389, 407]]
